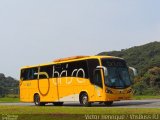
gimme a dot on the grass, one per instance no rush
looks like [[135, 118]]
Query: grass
[[65, 113], [9, 99], [142, 97], [69, 113]]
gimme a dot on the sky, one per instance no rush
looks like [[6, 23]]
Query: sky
[[39, 31]]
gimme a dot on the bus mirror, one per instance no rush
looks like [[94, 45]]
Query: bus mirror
[[134, 71], [104, 69]]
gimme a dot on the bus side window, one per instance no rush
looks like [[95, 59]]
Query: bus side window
[[48, 69], [22, 76], [33, 71], [98, 78], [28, 74], [92, 64]]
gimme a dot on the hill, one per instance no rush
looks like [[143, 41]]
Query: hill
[[8, 85], [141, 57]]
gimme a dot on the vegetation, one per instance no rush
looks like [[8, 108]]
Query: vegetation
[[8, 85], [9, 99], [143, 97], [146, 59], [66, 113], [149, 83]]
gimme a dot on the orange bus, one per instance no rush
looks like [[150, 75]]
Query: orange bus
[[83, 79]]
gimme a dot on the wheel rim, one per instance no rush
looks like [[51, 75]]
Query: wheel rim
[[37, 100], [84, 99]]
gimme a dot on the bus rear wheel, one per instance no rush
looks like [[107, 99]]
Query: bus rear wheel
[[108, 103], [37, 100], [57, 103], [84, 100]]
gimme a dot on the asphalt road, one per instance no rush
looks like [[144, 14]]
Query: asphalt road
[[153, 103]]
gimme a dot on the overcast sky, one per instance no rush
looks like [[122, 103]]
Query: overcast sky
[[39, 31]]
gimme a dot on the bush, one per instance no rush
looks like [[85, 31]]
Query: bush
[[149, 83], [139, 88]]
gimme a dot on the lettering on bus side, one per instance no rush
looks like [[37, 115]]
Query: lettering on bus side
[[76, 69]]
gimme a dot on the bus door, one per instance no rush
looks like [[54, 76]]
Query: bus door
[[98, 86]]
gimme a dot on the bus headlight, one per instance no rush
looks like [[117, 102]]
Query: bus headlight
[[109, 91]]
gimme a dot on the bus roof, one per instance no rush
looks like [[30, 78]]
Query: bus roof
[[71, 59]]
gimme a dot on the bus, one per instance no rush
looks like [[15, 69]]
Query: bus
[[83, 79]]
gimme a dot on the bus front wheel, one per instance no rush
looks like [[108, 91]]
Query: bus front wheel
[[84, 100], [37, 100]]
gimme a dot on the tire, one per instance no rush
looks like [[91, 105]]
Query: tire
[[57, 103], [84, 100], [37, 101], [108, 103]]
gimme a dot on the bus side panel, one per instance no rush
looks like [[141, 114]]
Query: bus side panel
[[70, 88], [65, 89], [47, 90], [94, 94], [24, 93], [84, 86]]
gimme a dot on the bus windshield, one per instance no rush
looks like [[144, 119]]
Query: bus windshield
[[118, 74]]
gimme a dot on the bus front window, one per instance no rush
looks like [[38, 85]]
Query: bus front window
[[118, 75]]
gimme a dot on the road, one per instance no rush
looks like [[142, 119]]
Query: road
[[153, 103]]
